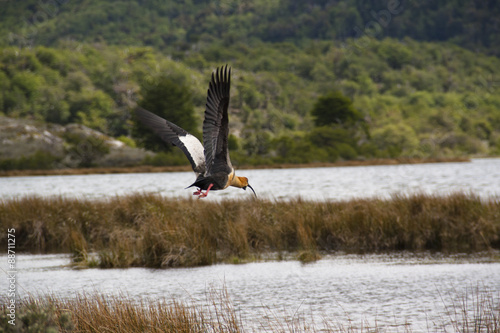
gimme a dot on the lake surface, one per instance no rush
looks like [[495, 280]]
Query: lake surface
[[383, 290], [481, 176]]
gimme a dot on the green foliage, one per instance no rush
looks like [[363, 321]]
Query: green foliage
[[27, 82], [296, 150], [85, 150], [395, 140], [233, 142], [286, 86], [36, 317], [177, 25], [336, 142], [175, 157], [170, 100], [339, 126], [335, 108], [395, 54], [90, 108], [127, 140], [40, 160]]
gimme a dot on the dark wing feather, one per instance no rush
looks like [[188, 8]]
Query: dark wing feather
[[215, 125], [173, 134]]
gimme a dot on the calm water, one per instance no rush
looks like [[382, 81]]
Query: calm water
[[481, 176], [387, 290]]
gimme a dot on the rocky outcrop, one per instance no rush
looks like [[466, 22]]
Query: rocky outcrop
[[71, 145]]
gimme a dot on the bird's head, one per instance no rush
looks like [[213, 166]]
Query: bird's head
[[244, 184]]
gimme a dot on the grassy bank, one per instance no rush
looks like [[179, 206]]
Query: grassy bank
[[148, 168], [152, 231], [97, 313]]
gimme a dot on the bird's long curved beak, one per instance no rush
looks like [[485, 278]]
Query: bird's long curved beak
[[252, 190]]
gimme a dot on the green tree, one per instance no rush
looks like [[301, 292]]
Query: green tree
[[339, 126], [170, 100], [396, 140], [91, 108], [335, 109], [84, 150], [334, 141]]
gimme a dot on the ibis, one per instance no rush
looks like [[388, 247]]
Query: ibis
[[210, 161]]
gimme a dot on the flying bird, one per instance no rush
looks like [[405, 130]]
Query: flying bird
[[210, 161]]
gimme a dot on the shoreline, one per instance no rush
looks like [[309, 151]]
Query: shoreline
[[183, 168]]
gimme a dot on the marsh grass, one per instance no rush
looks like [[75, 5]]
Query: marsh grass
[[485, 314], [153, 231], [97, 313]]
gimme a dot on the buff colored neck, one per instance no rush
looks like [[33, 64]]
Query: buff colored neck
[[239, 182]]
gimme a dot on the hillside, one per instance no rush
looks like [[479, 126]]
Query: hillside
[[412, 98], [176, 26]]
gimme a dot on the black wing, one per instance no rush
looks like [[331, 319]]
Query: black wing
[[215, 125], [173, 134]]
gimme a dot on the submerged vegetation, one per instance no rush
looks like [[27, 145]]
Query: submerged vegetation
[[119, 314], [152, 231]]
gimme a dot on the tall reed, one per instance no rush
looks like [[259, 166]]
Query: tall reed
[[98, 313], [153, 231]]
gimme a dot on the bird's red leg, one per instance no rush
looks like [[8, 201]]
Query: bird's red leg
[[202, 195], [197, 192]]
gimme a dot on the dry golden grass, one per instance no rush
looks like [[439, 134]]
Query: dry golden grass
[[97, 313], [153, 231]]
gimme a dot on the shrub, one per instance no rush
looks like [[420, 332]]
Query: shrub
[[40, 160]]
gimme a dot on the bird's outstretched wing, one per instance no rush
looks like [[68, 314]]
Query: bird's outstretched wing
[[215, 125], [175, 135]]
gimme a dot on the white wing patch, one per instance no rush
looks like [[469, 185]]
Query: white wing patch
[[195, 148]]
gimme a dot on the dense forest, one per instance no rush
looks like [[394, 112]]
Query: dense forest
[[313, 81], [183, 24]]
